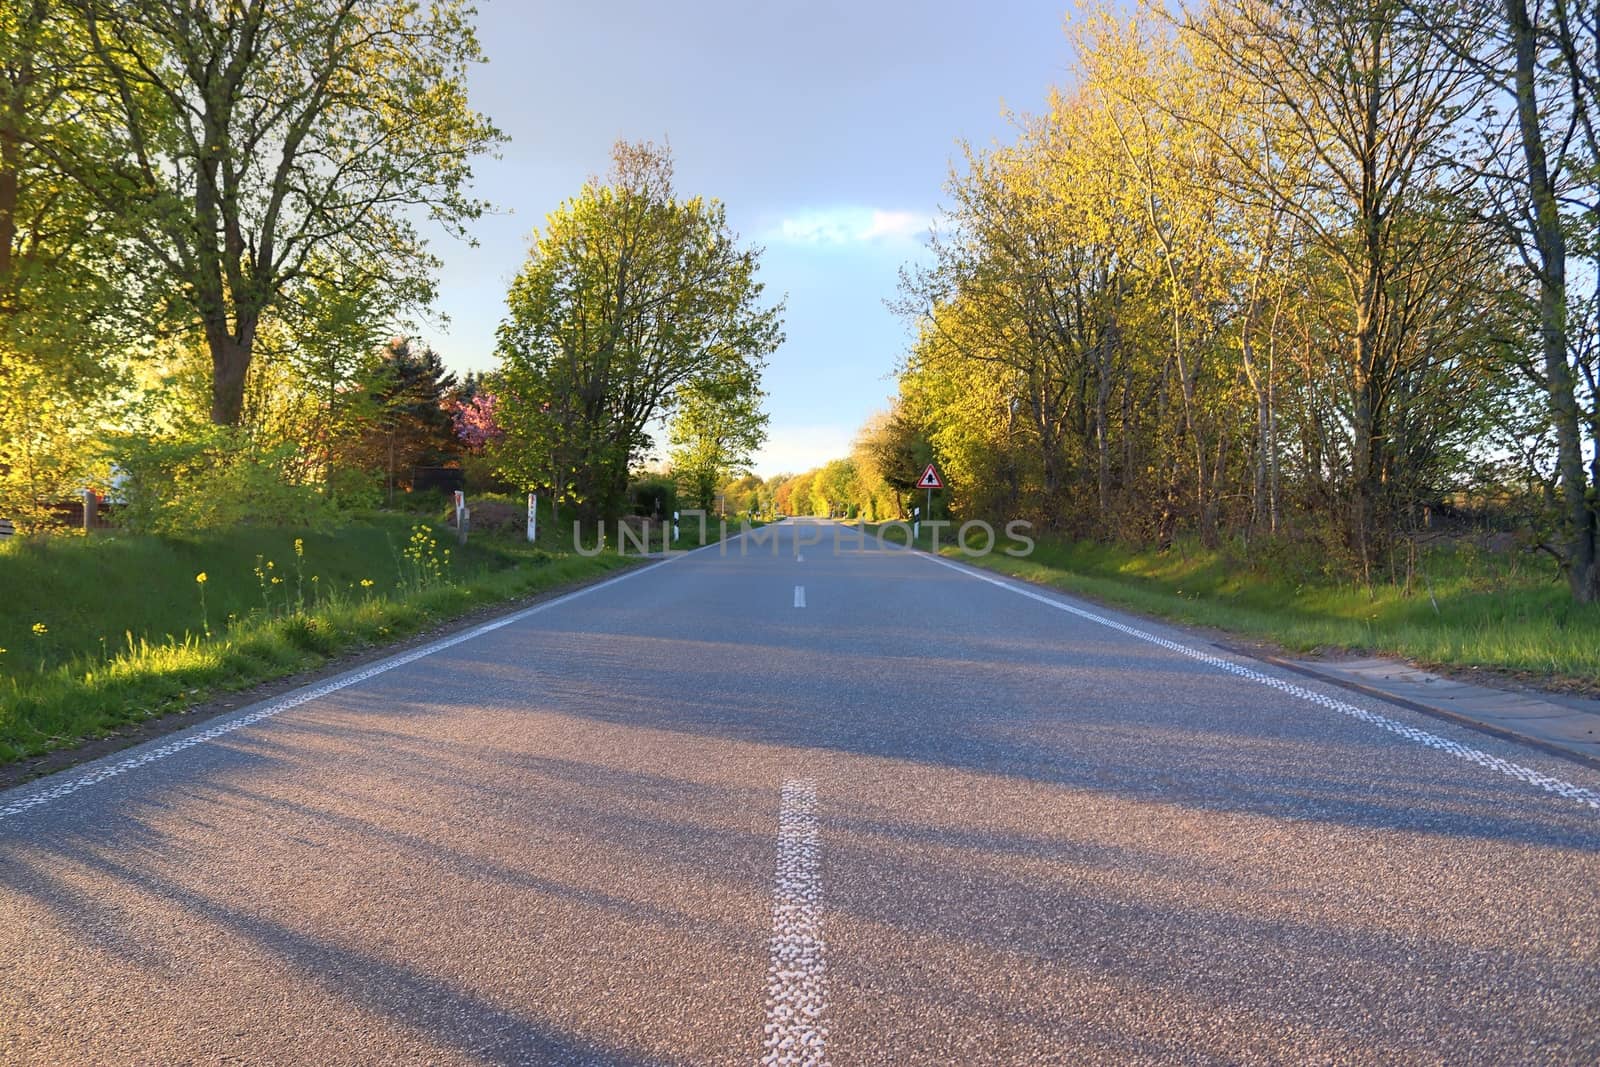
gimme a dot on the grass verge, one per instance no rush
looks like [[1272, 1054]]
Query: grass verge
[[104, 632], [1465, 608]]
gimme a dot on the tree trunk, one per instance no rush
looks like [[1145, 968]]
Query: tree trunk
[[1579, 515], [11, 131], [10, 166], [1260, 489], [1274, 479], [1362, 452], [230, 362], [1102, 435]]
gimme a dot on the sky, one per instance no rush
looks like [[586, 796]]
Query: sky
[[826, 128]]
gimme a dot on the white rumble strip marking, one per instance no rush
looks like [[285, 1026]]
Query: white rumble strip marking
[[797, 981], [294, 700], [1558, 786]]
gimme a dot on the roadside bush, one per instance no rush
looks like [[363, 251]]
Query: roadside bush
[[421, 502], [209, 477], [654, 497], [350, 488], [483, 475]]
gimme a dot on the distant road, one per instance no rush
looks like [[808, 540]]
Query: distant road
[[864, 807]]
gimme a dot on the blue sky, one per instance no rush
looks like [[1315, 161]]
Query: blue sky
[[827, 129]]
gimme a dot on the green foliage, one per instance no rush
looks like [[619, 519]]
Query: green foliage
[[336, 364], [748, 495], [357, 117], [65, 300], [835, 489], [715, 434], [1211, 292], [631, 299], [654, 497], [122, 634], [353, 488], [408, 424], [873, 483], [208, 478], [48, 435]]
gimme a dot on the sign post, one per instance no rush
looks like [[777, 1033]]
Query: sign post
[[533, 516], [930, 481]]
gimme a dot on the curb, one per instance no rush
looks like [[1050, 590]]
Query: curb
[[1492, 729], [1496, 730]]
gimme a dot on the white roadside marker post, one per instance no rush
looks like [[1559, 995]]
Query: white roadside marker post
[[533, 516]]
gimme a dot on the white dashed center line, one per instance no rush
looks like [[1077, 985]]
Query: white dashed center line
[[799, 596], [797, 987]]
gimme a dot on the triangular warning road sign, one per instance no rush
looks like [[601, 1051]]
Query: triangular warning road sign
[[930, 479]]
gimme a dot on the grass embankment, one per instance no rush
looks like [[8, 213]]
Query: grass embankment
[[1465, 608], [102, 632]]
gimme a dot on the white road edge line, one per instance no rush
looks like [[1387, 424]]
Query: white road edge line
[[799, 596], [109, 769], [797, 980], [1557, 786]]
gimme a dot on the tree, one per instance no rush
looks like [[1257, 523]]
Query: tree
[[1371, 99], [631, 300], [836, 489], [891, 451], [255, 141], [748, 493], [781, 487], [473, 418], [801, 499], [1234, 283], [413, 426], [1539, 67], [715, 435], [337, 357], [60, 284]]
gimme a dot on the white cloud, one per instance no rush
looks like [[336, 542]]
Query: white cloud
[[895, 225], [814, 229], [850, 225]]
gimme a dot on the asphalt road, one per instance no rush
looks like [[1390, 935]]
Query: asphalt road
[[929, 817]]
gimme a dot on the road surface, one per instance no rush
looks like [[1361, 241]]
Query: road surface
[[803, 803]]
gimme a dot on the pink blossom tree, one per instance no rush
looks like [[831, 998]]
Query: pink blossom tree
[[474, 421]]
